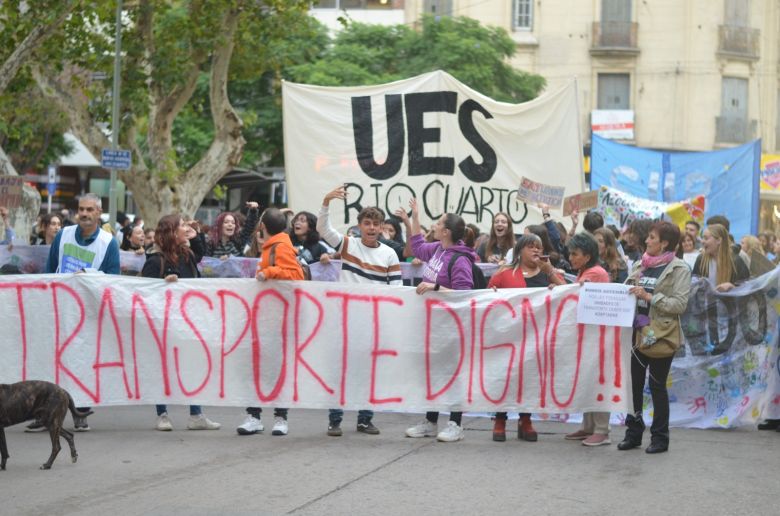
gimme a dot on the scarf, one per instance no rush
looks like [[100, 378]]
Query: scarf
[[650, 262]]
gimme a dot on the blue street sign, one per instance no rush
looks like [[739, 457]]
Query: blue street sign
[[118, 159], [52, 187]]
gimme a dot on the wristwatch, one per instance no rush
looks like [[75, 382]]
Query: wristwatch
[[436, 286]]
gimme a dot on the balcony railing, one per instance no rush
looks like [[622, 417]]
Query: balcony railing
[[614, 38], [734, 130], [739, 42]]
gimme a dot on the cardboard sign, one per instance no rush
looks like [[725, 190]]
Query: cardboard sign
[[11, 191], [581, 202], [531, 192]]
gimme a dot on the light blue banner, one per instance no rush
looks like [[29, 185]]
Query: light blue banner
[[728, 178]]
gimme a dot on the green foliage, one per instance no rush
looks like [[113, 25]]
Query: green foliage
[[474, 54]]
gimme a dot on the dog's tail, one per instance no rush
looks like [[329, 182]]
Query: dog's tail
[[76, 412]]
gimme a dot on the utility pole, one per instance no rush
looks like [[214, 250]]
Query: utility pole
[[115, 112]]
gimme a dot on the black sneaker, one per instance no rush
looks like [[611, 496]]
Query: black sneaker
[[35, 426], [334, 430], [80, 424], [367, 428], [770, 424]]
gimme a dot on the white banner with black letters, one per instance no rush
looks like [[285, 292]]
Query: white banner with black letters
[[432, 137]]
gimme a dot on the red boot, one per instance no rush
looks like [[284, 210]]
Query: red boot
[[499, 429], [525, 430]]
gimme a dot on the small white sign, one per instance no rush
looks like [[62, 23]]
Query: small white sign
[[609, 304], [614, 124]]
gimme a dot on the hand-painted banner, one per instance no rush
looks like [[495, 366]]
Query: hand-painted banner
[[238, 342], [429, 137], [621, 209], [726, 374], [728, 178]]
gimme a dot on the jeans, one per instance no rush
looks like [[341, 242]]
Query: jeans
[[659, 371], [336, 415], [195, 410], [433, 417], [256, 411]]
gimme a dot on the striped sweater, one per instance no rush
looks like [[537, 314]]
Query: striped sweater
[[359, 263]]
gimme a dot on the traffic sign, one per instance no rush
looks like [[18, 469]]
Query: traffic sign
[[118, 159]]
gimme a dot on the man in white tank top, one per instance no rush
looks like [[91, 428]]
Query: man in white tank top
[[79, 248]]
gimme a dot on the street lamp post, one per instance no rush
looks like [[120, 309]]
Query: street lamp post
[[112, 202]]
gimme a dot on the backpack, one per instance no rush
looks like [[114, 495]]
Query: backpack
[[478, 277], [304, 266]]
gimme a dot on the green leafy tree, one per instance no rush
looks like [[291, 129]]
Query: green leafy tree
[[474, 54], [178, 60], [24, 29]]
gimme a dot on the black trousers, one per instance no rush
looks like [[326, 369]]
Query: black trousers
[[433, 417], [659, 372]]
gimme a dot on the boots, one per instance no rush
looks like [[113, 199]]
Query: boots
[[499, 429], [635, 427], [525, 430]]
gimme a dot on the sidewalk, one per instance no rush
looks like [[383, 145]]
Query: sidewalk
[[126, 467]]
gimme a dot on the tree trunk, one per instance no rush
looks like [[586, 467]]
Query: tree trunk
[[24, 217]]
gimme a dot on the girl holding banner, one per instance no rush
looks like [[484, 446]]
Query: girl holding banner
[[448, 267], [529, 268], [584, 258], [172, 258], [662, 282]]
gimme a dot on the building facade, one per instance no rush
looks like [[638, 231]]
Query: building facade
[[684, 75]]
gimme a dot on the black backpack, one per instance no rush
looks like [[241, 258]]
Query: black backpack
[[477, 276], [301, 262]]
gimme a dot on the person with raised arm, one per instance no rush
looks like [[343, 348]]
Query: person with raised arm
[[364, 259]]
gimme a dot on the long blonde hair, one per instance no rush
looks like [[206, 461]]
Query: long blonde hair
[[724, 259]]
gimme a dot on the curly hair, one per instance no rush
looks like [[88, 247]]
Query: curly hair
[[165, 238]]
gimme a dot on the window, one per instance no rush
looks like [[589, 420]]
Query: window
[[737, 13], [353, 4], [523, 14], [438, 7], [613, 91], [616, 11]]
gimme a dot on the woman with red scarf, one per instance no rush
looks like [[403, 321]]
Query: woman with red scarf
[[662, 282]]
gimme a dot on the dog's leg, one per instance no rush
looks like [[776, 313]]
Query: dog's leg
[[54, 433], [3, 449], [69, 437]]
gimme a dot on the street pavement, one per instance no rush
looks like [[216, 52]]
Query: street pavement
[[126, 467]]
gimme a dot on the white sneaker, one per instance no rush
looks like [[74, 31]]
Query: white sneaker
[[164, 423], [453, 432], [201, 422], [251, 425], [424, 429], [280, 426]]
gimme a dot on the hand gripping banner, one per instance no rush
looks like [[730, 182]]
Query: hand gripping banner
[[123, 340]]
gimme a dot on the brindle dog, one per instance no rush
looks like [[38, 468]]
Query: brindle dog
[[44, 402]]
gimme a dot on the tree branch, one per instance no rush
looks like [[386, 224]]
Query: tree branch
[[22, 53], [228, 144]]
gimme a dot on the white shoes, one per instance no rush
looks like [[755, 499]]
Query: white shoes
[[251, 425], [201, 422], [280, 426], [424, 429], [164, 423], [453, 432]]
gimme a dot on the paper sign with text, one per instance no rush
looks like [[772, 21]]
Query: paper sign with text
[[581, 202], [532, 192], [606, 303], [11, 191]]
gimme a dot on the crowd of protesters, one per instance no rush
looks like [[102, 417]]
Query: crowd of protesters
[[655, 258]]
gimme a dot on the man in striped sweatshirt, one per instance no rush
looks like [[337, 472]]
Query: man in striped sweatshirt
[[363, 260]]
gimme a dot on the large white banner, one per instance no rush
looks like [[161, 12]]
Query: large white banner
[[431, 137], [122, 340]]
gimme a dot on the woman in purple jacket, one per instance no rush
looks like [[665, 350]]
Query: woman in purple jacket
[[438, 276]]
